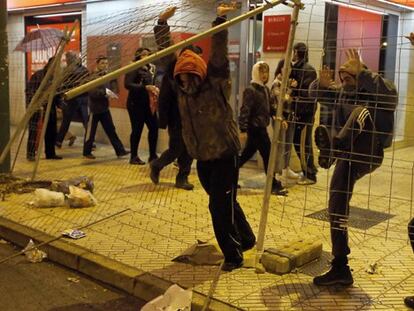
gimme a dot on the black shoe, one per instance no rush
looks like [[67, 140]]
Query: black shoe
[[89, 156], [323, 142], [409, 301], [184, 184], [54, 157], [279, 190], [335, 276], [136, 161], [154, 174], [58, 144], [230, 265], [123, 153], [71, 141]]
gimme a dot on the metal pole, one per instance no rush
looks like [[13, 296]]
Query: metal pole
[[116, 73], [4, 89], [274, 148]]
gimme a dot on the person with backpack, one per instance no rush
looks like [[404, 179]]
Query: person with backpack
[[363, 121]]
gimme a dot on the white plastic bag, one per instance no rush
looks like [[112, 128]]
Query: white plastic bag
[[174, 299], [80, 198], [33, 254], [47, 198]]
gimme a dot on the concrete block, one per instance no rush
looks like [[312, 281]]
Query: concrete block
[[291, 255]]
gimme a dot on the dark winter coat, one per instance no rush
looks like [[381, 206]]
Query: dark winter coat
[[257, 107], [375, 93], [304, 74], [168, 113], [98, 100], [135, 83], [208, 128]]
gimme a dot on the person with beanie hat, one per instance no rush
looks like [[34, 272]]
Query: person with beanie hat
[[168, 113], [210, 135], [142, 92], [304, 109], [255, 114], [363, 121]]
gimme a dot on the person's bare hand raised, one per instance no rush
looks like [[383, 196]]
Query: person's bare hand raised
[[326, 77], [223, 9], [411, 38], [168, 13], [354, 64]]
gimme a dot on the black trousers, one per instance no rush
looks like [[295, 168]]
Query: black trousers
[[140, 115], [302, 140], [105, 118], [257, 140], [363, 157], [176, 150], [219, 179], [77, 106], [50, 134]]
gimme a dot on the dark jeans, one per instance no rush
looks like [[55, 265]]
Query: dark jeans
[[108, 125], [302, 140], [50, 134], [77, 106], [257, 140], [140, 115], [176, 150], [363, 157], [219, 179]]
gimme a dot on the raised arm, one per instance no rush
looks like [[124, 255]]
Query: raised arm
[[162, 32]]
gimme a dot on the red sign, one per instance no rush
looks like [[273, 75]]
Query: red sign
[[276, 30], [14, 4]]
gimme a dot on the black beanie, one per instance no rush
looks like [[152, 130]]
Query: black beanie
[[302, 50]]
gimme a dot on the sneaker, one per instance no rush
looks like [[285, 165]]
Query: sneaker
[[230, 266], [335, 276], [184, 184], [323, 142], [307, 181], [89, 156], [287, 173], [154, 174], [71, 141], [278, 189], [136, 161], [409, 301]]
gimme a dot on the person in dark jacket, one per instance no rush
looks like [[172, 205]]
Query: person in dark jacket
[[210, 135], [37, 117], [304, 109], [168, 113], [99, 108], [75, 72], [140, 84], [255, 114], [363, 117]]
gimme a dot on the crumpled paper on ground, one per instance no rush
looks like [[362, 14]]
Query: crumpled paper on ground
[[78, 197], [33, 254], [174, 299]]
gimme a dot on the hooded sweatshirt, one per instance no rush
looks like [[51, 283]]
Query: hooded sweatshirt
[[258, 104]]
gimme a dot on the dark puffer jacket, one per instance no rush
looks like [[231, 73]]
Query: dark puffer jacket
[[208, 128], [257, 107]]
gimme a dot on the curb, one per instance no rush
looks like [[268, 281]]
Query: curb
[[133, 281]]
